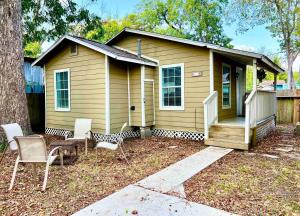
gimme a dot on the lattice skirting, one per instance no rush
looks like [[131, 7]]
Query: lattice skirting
[[178, 134], [131, 134], [97, 136], [265, 128]]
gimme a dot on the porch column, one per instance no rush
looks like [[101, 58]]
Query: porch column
[[254, 74], [254, 89], [275, 82]]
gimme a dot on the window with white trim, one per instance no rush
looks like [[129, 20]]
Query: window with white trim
[[226, 86], [172, 87], [62, 90]]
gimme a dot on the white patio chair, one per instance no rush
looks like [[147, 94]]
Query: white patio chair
[[32, 149], [82, 131], [11, 130], [113, 146]]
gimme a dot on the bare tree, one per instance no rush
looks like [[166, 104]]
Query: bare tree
[[281, 18], [13, 102]]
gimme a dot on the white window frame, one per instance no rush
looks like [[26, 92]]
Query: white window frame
[[230, 87], [161, 106], [69, 90]]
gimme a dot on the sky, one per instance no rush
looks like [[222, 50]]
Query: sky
[[253, 40]]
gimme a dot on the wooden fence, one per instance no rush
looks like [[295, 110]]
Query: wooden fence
[[36, 109], [288, 106]]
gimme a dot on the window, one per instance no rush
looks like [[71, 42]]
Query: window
[[226, 88], [62, 90], [172, 87]]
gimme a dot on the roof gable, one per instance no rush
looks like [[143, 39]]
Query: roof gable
[[102, 48]]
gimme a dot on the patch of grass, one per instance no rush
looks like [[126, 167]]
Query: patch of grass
[[2, 146], [244, 168]]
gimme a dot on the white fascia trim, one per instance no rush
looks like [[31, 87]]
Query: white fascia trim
[[121, 58], [107, 96], [129, 98], [161, 107], [134, 53], [69, 90], [143, 95], [227, 107], [211, 70]]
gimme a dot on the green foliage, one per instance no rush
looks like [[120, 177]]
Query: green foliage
[[112, 27], [193, 19], [32, 49], [281, 18], [47, 20]]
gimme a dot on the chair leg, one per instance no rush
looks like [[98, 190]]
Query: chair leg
[[46, 177], [14, 174], [86, 146], [124, 154], [61, 155]]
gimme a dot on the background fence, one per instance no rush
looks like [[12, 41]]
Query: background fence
[[36, 108], [288, 106]]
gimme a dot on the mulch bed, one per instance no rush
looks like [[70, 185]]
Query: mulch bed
[[249, 183], [88, 180]]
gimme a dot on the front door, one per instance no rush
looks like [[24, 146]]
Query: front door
[[240, 90], [149, 103]]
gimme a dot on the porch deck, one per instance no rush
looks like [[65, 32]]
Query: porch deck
[[237, 121]]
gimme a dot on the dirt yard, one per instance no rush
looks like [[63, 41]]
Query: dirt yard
[[264, 181], [88, 180]]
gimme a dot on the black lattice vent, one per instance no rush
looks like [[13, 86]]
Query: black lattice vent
[[178, 134], [113, 137]]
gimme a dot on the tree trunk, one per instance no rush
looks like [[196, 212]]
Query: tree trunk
[[290, 79], [13, 102]]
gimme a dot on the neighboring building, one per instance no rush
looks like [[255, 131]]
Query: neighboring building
[[269, 85], [175, 87], [33, 76]]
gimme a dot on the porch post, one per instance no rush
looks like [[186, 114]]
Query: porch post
[[211, 71], [254, 89], [254, 74], [275, 82]]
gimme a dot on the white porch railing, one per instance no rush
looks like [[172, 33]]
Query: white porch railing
[[259, 106], [210, 112]]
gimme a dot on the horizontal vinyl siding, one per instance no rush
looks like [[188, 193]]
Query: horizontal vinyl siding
[[196, 89], [87, 74], [118, 95]]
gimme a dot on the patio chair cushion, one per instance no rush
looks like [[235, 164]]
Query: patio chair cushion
[[107, 145]]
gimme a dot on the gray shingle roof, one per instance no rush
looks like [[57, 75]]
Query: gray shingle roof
[[113, 50]]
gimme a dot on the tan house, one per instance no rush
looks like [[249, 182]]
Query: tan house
[[174, 87]]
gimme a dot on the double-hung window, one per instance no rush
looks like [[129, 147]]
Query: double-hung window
[[226, 86], [172, 87], [62, 90]]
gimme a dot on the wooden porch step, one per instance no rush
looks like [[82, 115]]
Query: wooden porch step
[[229, 129], [227, 136], [234, 144]]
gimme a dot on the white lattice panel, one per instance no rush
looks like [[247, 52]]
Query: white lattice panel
[[178, 134]]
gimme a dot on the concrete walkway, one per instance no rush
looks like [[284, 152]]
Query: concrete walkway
[[134, 200], [146, 196], [173, 176]]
